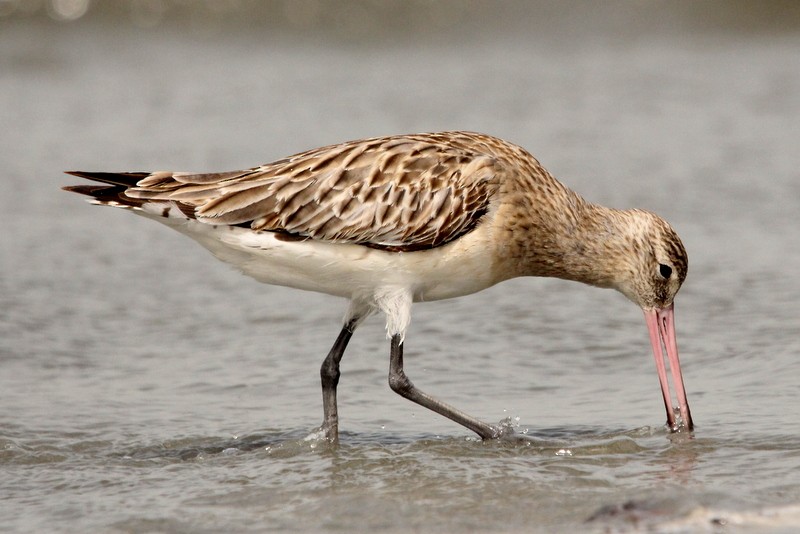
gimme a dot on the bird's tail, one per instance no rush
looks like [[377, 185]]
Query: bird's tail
[[111, 194]]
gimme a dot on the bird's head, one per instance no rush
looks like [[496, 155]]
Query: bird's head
[[656, 264]]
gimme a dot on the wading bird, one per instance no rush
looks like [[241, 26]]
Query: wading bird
[[389, 221]]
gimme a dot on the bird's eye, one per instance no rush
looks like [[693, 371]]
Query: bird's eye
[[665, 270]]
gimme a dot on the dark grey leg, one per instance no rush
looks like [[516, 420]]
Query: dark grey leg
[[329, 373], [400, 384]]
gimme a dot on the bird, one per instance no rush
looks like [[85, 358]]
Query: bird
[[389, 221]]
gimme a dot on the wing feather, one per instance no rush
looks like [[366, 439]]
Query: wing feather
[[398, 193]]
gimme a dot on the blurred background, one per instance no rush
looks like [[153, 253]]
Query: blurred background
[[352, 20], [129, 358]]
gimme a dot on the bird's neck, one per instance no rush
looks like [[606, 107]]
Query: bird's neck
[[563, 236]]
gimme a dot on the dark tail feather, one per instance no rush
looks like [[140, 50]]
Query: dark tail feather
[[126, 179], [105, 194], [114, 192], [96, 191]]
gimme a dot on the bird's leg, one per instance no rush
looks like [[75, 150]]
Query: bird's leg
[[400, 384], [329, 373]]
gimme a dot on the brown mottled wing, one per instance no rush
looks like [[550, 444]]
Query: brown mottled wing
[[397, 193]]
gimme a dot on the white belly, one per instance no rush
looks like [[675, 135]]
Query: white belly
[[351, 271]]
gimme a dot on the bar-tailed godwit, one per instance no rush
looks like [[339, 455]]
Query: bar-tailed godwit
[[389, 221]]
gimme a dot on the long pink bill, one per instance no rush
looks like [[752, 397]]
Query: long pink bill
[[661, 325]]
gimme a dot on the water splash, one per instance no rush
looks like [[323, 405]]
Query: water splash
[[680, 424]]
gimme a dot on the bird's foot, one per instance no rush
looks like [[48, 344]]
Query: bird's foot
[[506, 432], [504, 429], [325, 433]]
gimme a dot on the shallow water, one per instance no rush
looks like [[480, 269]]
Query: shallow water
[[146, 387]]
